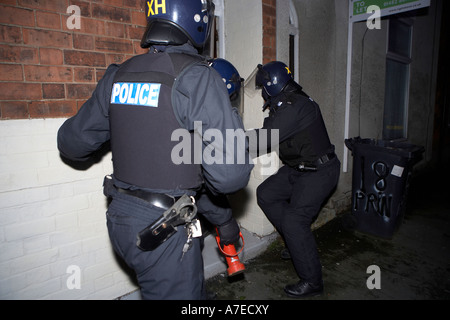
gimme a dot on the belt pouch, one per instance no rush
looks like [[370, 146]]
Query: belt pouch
[[155, 234], [183, 211], [108, 186]]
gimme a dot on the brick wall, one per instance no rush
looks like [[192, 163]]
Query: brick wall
[[269, 30], [48, 70]]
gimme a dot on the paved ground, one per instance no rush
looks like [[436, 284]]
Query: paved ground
[[413, 265]]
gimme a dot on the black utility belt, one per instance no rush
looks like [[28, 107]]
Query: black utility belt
[[160, 200], [312, 167]]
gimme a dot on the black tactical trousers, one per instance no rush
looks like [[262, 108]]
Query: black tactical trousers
[[161, 273], [291, 201], [215, 208]]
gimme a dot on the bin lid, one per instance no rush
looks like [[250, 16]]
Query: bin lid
[[404, 149]]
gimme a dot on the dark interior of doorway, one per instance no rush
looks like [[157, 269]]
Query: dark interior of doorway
[[441, 136]]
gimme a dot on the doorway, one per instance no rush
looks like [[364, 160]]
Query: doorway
[[441, 136]]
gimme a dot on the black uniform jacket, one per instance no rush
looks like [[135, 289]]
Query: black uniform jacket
[[302, 136]]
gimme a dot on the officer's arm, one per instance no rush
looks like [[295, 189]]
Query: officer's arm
[[287, 121], [200, 96], [88, 130]]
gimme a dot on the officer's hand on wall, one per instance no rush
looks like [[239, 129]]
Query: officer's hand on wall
[[228, 232]]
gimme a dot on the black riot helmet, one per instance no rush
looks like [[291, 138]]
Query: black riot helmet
[[232, 80], [273, 77], [175, 22]]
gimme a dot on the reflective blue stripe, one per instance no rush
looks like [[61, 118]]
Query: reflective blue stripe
[[136, 93]]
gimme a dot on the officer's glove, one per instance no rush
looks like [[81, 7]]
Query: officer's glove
[[228, 232]]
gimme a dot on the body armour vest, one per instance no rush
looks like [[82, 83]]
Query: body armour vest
[[142, 121], [307, 145]]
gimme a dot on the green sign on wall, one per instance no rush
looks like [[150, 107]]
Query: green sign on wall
[[358, 8]]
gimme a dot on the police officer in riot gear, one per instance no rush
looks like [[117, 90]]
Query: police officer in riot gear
[[232, 79], [292, 198], [214, 206], [147, 107]]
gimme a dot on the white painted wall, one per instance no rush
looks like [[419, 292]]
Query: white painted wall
[[243, 48], [51, 217]]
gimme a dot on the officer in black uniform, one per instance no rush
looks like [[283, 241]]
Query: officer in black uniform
[[214, 206], [154, 110], [292, 198]]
